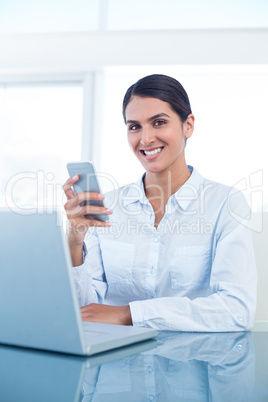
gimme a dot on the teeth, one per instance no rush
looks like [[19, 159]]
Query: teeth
[[155, 151]]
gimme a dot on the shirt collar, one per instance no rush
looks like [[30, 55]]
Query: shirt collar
[[190, 189], [135, 192], [184, 196]]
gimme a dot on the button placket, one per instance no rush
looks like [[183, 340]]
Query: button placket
[[152, 262], [150, 383]]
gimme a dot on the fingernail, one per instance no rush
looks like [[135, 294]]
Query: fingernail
[[108, 223], [110, 211], [75, 177], [101, 196]]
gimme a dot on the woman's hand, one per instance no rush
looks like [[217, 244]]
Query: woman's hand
[[106, 314], [78, 224]]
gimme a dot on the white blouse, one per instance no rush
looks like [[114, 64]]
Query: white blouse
[[195, 272]]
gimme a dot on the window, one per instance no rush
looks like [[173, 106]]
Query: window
[[190, 14], [41, 129], [40, 16]]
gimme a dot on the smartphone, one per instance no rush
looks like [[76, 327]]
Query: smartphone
[[87, 182]]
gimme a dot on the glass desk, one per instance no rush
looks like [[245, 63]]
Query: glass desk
[[175, 367]]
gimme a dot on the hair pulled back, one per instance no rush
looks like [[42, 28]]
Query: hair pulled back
[[161, 87]]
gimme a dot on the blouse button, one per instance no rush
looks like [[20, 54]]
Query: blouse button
[[149, 369]]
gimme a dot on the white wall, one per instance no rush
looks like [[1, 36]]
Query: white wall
[[83, 52]]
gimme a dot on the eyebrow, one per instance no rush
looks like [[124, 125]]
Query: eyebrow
[[150, 118]]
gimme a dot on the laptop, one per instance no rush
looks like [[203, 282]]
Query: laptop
[[38, 301]]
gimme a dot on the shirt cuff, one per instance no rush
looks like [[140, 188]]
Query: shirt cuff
[[136, 314]]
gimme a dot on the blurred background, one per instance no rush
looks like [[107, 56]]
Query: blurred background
[[66, 65]]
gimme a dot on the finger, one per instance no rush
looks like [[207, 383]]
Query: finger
[[77, 199], [81, 224], [88, 307], [67, 186], [69, 193], [92, 209], [96, 222], [87, 311], [86, 196], [72, 204], [74, 210]]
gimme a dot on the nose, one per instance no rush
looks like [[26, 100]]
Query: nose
[[147, 136]]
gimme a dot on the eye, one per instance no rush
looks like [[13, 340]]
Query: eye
[[159, 122], [133, 127]]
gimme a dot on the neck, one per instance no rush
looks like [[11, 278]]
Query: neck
[[166, 182]]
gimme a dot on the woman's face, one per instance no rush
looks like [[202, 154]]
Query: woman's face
[[156, 133]]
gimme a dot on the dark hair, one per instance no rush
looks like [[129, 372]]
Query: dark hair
[[161, 87]]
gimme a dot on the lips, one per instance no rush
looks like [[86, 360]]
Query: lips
[[152, 152]]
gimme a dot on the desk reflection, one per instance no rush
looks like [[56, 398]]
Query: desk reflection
[[29, 375], [184, 367], [175, 367]]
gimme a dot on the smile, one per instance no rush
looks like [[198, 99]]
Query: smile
[[154, 152]]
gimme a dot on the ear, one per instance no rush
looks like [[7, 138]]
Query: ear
[[188, 126]]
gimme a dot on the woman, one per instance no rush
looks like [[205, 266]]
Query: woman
[[181, 257]]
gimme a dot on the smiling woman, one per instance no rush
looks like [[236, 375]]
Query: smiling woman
[[177, 253], [164, 123]]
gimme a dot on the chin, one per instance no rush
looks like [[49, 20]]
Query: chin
[[153, 169]]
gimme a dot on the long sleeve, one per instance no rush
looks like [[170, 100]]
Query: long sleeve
[[89, 278]]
